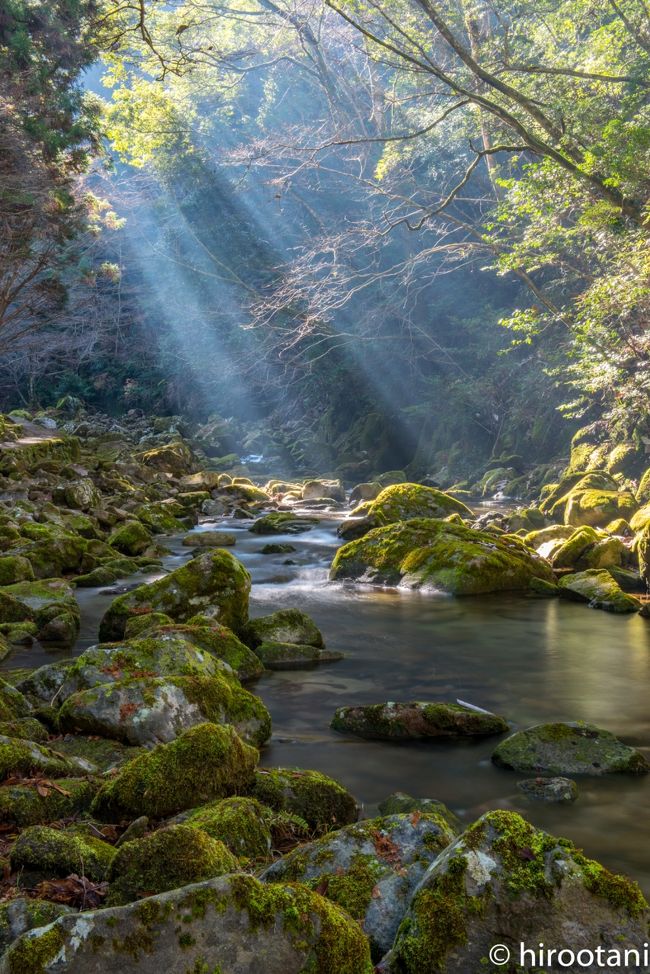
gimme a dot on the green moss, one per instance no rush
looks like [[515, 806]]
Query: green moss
[[204, 763], [403, 502], [221, 642], [244, 825], [282, 522], [15, 568], [33, 954], [44, 852], [131, 538], [322, 802], [138, 625], [22, 805], [166, 859], [620, 892], [29, 758]]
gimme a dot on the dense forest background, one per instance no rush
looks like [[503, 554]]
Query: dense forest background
[[401, 233]]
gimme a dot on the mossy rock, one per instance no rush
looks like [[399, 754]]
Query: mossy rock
[[219, 926], [30, 759], [399, 803], [81, 494], [209, 539], [25, 728], [162, 517], [40, 594], [204, 763], [284, 626], [643, 491], [242, 824], [15, 568], [291, 656], [568, 748], [54, 558], [322, 802], [214, 583], [105, 754], [505, 882], [598, 507], [13, 703], [599, 588], [21, 914], [440, 556], [643, 554], [12, 610], [221, 643], [283, 522], [276, 548], [370, 869], [404, 502], [416, 721], [131, 538], [167, 859], [41, 852], [149, 710], [24, 804], [138, 625], [174, 458], [556, 790]]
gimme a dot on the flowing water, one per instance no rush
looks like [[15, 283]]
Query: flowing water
[[530, 660]]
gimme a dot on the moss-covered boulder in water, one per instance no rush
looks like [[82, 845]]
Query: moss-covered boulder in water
[[403, 502], [131, 538], [568, 748], [440, 556], [215, 584], [15, 568], [167, 859], [557, 790], [41, 852], [291, 656], [598, 507], [416, 721], [322, 802], [399, 803], [149, 710], [221, 926], [21, 914], [505, 882], [599, 589], [284, 626], [370, 869], [162, 517], [173, 458], [204, 763], [219, 642]]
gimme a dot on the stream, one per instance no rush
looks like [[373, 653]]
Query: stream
[[531, 660]]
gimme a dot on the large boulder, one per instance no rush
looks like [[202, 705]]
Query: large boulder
[[149, 710], [41, 852], [598, 507], [18, 756], [568, 748], [215, 584], [284, 626], [232, 925], [204, 763], [598, 588], [283, 522], [243, 824], [371, 869], [437, 555], [416, 721], [504, 882], [28, 803], [21, 914], [401, 502]]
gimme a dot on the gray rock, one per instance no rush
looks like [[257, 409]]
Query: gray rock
[[568, 748], [234, 925], [505, 882], [549, 789], [416, 720], [371, 869], [20, 914]]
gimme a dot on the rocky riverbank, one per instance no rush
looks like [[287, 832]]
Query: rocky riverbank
[[139, 823]]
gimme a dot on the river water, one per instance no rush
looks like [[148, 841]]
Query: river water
[[527, 659]]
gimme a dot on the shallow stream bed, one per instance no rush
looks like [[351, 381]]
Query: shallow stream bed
[[527, 659]]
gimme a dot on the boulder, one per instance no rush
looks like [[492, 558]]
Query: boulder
[[41, 852], [323, 803], [82, 495], [166, 859], [371, 869], [220, 642], [15, 568], [25, 804], [598, 507], [131, 538], [401, 502], [282, 522], [292, 656], [21, 914], [30, 759], [243, 824], [215, 583], [416, 721], [150, 710], [232, 925], [173, 458], [599, 589], [568, 748], [399, 803], [505, 882], [314, 490], [284, 626], [204, 763], [437, 555]]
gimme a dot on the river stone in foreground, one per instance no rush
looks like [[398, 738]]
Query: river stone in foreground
[[437, 555], [416, 721], [371, 869], [505, 882], [568, 748], [230, 925]]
